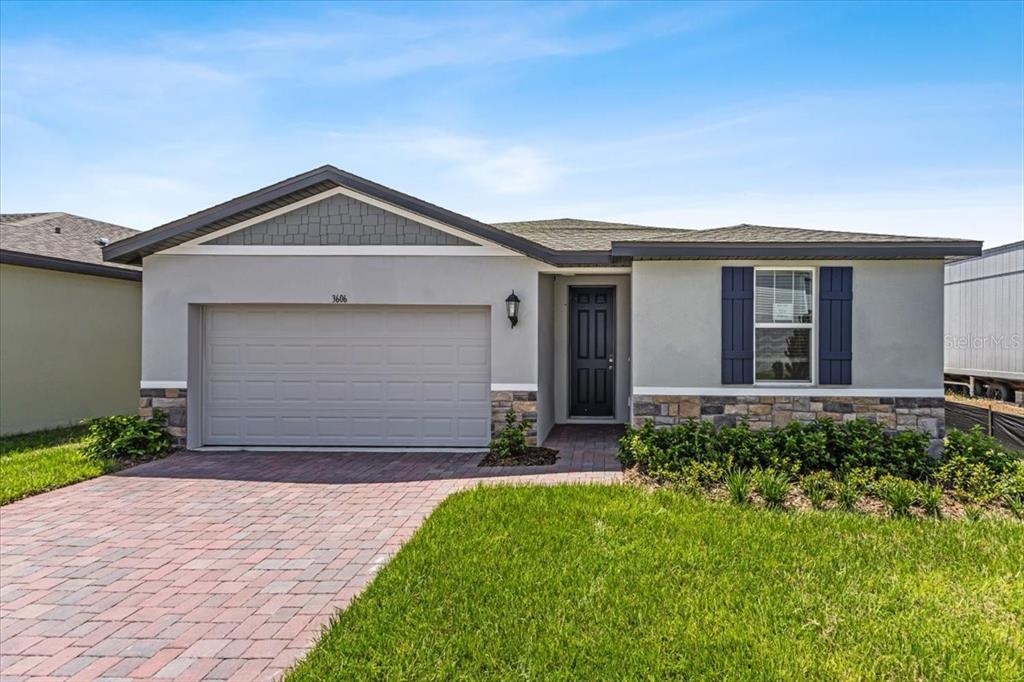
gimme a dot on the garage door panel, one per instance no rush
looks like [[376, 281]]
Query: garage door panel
[[260, 391], [223, 390], [257, 427], [332, 427], [437, 355], [224, 355], [347, 376], [331, 391], [225, 426], [475, 392], [439, 391], [300, 391], [366, 391], [473, 357], [398, 356], [403, 391], [469, 428], [327, 355], [259, 354]]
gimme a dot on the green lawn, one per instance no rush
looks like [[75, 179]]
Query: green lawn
[[36, 462], [597, 582]]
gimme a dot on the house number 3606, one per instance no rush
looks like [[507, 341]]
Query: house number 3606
[[339, 298]]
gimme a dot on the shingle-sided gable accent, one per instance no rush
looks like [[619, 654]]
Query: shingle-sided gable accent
[[339, 220]]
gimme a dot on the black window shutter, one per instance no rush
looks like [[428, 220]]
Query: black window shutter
[[835, 328], [737, 325]]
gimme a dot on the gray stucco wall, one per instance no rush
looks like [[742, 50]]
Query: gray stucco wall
[[897, 322], [545, 356], [173, 282], [69, 347], [339, 220], [623, 308]]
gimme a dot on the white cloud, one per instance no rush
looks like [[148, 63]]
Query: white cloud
[[490, 165]]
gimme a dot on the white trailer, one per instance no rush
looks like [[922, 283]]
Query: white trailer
[[984, 323]]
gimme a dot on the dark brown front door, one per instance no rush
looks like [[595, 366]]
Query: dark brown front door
[[591, 351]]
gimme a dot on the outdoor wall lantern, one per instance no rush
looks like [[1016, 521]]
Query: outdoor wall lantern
[[512, 308]]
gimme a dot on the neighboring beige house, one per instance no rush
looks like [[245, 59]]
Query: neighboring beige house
[[329, 310], [70, 325]]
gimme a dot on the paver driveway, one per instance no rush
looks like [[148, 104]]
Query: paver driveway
[[222, 565]]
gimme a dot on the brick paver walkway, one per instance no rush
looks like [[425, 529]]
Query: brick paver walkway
[[222, 565]]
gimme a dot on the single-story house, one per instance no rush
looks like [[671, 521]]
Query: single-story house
[[329, 310], [70, 323]]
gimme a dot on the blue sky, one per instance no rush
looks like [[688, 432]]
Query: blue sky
[[902, 118]]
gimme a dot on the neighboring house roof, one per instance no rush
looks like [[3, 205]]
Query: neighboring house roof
[[565, 241], [62, 241]]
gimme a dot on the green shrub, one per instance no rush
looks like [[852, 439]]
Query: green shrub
[[848, 495], [1012, 480], [738, 483], [1011, 488], [742, 447], [897, 493], [699, 475], [818, 487], [797, 448], [970, 481], [511, 440], [856, 444], [977, 448], [802, 447], [668, 449], [862, 479], [907, 455], [773, 487], [127, 438], [931, 499]]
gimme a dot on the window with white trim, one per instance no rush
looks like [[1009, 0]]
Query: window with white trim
[[783, 324]]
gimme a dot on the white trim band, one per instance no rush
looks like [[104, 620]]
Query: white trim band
[[513, 387], [163, 384], [825, 392]]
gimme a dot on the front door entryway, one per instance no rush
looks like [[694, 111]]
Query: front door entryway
[[591, 351]]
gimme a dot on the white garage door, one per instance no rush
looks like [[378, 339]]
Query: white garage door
[[346, 376]]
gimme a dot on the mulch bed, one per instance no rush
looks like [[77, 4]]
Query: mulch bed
[[532, 457]]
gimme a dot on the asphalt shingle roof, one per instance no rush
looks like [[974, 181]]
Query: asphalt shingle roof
[[60, 235], [573, 234], [766, 234], [560, 242]]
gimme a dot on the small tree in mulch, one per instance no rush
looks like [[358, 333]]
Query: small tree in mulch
[[510, 448], [511, 440]]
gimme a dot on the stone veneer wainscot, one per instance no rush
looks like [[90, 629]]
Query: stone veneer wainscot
[[896, 414], [174, 402], [523, 403]]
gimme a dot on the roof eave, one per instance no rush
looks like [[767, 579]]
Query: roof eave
[[32, 260], [580, 258], [695, 250]]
